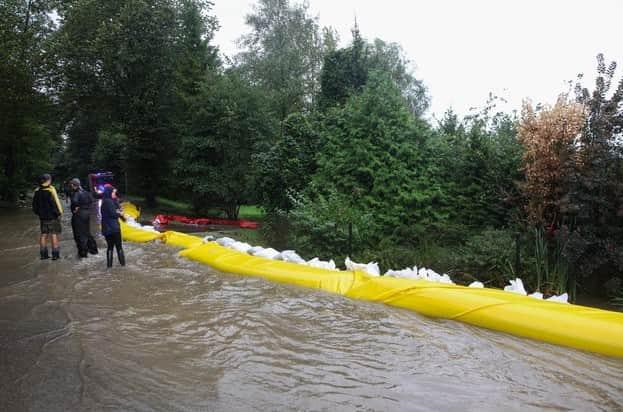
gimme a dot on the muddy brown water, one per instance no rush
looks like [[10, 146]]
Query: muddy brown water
[[167, 334]]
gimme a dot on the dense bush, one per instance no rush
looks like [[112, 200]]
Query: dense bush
[[488, 256]]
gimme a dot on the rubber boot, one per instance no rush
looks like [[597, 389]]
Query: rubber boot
[[121, 257], [44, 253], [56, 254], [108, 258]]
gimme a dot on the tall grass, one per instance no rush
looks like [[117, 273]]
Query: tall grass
[[551, 266]]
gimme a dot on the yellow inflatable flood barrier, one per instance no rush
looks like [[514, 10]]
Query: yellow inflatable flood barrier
[[575, 326], [182, 240], [231, 261]]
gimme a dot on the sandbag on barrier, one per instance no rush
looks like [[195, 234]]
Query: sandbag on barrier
[[575, 326]]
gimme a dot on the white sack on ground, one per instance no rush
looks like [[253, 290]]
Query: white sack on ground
[[371, 268], [516, 286], [268, 253], [225, 241], [564, 298]]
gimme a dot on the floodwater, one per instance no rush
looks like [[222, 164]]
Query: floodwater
[[167, 334]]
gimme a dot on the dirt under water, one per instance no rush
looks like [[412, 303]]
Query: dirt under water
[[164, 333]]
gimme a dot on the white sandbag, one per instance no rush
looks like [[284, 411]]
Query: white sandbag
[[208, 238], [564, 298], [371, 268], [433, 276], [330, 265], [406, 273], [476, 284], [225, 241], [254, 250], [268, 253], [240, 246], [317, 263], [290, 256], [445, 278], [536, 295], [516, 286], [397, 273]]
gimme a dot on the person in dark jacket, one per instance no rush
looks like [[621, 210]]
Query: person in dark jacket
[[110, 225], [81, 203], [47, 206]]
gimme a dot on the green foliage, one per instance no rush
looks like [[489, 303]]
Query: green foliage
[[110, 153], [367, 175], [283, 54], [229, 119], [345, 72], [194, 55], [595, 183], [287, 166], [550, 265], [140, 55], [476, 163], [390, 58], [132, 64], [27, 115], [488, 256], [320, 227]]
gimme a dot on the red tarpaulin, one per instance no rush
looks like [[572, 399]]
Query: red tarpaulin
[[165, 219]]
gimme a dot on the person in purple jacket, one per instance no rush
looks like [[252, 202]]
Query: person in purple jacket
[[110, 225]]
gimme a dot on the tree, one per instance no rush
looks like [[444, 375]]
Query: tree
[[132, 64], [548, 138], [287, 166], [140, 47], [345, 72], [284, 170], [194, 55], [283, 54], [476, 161], [110, 153], [82, 80], [594, 182], [214, 164], [27, 116], [370, 164], [390, 58]]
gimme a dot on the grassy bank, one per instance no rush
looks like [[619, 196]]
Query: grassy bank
[[169, 206]]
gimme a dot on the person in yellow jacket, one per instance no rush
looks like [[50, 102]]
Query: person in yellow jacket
[[47, 206]]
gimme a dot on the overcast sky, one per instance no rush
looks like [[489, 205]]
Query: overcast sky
[[464, 49]]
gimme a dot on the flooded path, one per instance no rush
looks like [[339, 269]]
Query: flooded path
[[168, 334]]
